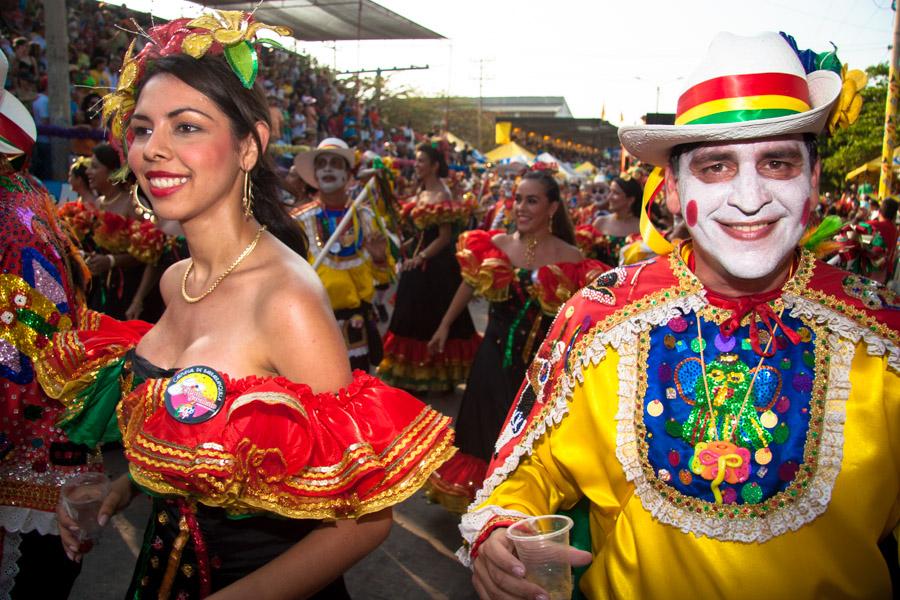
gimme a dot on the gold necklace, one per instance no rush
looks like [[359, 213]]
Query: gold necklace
[[103, 201], [530, 249], [237, 261]]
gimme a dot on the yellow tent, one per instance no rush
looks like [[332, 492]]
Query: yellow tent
[[586, 167], [510, 150], [457, 142], [872, 168]]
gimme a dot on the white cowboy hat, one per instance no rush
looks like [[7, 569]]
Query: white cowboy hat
[[305, 161], [17, 129], [745, 88]]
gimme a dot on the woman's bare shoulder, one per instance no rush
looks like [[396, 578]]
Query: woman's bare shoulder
[[170, 281]]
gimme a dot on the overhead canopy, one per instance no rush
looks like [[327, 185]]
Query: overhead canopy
[[327, 20], [510, 151], [873, 167]]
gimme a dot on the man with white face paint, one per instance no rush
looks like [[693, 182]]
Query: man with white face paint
[[722, 419], [357, 261]]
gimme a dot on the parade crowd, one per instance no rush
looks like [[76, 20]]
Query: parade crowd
[[691, 352]]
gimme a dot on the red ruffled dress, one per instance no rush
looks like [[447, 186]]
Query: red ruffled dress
[[423, 296], [234, 491], [522, 306]]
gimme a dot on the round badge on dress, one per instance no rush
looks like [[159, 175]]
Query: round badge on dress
[[195, 394]]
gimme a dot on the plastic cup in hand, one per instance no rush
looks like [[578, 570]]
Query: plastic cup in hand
[[542, 544], [82, 497]]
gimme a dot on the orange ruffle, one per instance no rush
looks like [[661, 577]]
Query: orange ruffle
[[407, 363], [490, 272], [278, 447], [70, 363], [78, 217], [555, 284], [455, 483], [112, 232], [483, 265], [586, 237], [424, 216], [146, 242]]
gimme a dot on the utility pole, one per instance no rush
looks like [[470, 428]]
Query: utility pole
[[890, 115], [58, 93], [481, 80]]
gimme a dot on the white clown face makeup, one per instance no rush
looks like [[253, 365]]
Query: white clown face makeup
[[331, 172], [746, 205]]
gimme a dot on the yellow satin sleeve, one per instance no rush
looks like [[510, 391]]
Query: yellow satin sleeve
[[347, 288], [636, 556]]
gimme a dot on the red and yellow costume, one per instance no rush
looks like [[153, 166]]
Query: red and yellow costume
[[275, 449], [793, 502]]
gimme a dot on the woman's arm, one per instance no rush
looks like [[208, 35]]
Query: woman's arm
[[99, 263], [314, 562], [460, 300], [444, 237]]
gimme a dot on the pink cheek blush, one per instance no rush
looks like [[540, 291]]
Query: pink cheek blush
[[805, 219], [690, 213]]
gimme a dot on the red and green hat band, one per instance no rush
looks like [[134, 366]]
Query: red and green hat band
[[13, 135], [738, 98]]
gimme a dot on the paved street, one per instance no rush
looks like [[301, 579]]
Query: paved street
[[416, 562]]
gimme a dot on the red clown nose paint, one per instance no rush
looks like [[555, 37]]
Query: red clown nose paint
[[690, 213]]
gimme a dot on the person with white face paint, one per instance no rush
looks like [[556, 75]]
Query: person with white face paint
[[720, 420], [357, 261]]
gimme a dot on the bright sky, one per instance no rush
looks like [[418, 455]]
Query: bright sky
[[595, 53]]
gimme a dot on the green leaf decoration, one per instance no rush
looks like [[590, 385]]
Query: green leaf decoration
[[243, 61], [270, 42]]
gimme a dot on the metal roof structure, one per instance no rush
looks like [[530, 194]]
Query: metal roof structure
[[329, 20], [527, 106], [592, 132]]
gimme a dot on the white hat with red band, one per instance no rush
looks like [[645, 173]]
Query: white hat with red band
[[17, 129], [746, 87]]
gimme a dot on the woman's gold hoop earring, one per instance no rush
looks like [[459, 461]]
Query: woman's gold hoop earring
[[247, 199], [145, 211]]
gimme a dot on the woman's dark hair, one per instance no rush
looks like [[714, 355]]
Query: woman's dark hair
[[212, 77], [79, 171], [107, 156], [435, 156], [562, 224], [632, 189]]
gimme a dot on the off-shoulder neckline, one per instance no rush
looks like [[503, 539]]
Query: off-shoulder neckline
[[240, 384], [509, 260]]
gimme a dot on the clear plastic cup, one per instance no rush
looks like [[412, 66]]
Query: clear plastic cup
[[542, 544], [82, 497]]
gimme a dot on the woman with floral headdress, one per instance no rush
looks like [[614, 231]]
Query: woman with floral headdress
[[281, 472]]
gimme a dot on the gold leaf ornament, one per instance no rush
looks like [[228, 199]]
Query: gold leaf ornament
[[256, 26], [206, 21], [228, 37], [196, 44]]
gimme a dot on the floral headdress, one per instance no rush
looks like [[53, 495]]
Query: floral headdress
[[229, 32]]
